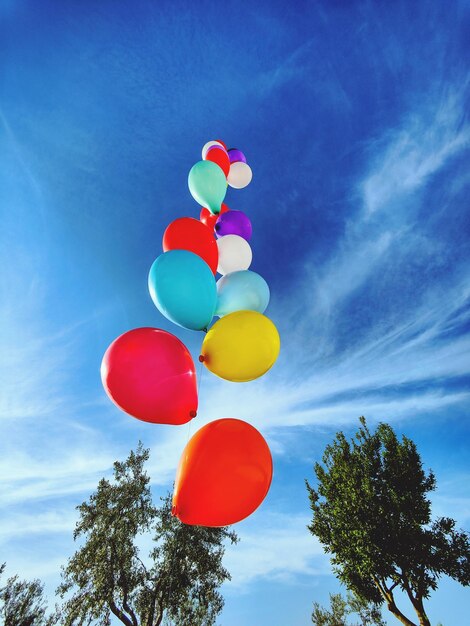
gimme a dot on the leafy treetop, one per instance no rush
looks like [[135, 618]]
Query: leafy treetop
[[372, 514]]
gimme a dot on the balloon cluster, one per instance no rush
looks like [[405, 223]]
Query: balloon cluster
[[225, 470]]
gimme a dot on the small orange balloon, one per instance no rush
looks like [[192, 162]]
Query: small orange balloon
[[223, 475]]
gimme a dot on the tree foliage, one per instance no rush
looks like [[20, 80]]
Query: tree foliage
[[340, 609], [372, 514], [106, 576], [22, 603]]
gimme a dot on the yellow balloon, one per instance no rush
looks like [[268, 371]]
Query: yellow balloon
[[241, 346]]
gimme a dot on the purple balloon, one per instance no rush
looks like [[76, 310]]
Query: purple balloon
[[234, 154], [233, 223]]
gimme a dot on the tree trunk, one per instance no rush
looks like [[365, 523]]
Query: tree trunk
[[392, 607], [423, 618], [119, 614], [387, 595]]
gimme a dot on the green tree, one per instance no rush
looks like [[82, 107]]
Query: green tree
[[372, 514], [337, 614], [22, 603], [106, 576], [340, 608]]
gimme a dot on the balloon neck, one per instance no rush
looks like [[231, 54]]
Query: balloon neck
[[201, 358], [192, 413]]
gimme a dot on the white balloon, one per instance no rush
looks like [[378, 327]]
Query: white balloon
[[240, 175], [208, 145], [234, 254]]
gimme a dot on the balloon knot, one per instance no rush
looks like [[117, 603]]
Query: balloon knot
[[173, 510], [201, 358], [192, 413]]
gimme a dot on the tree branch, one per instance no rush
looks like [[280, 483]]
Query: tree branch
[[423, 618], [120, 614], [127, 607], [416, 601], [151, 615], [161, 610], [142, 563], [160, 617], [391, 605]]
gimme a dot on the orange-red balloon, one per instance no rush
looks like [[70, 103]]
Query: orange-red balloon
[[150, 374], [218, 155], [224, 474], [209, 219], [187, 233]]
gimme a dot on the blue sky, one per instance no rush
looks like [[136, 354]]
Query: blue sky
[[354, 119]]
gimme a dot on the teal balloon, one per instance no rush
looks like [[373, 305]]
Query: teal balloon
[[183, 289], [241, 291], [208, 185]]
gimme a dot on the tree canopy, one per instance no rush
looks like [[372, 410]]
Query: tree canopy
[[341, 608], [22, 603], [106, 576], [372, 513]]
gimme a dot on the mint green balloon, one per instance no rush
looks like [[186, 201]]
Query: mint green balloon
[[208, 185]]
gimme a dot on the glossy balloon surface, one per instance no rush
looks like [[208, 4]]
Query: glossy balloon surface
[[182, 287], [209, 219], [240, 175], [219, 155], [150, 374], [208, 185], [241, 346], [241, 291], [187, 233], [209, 144], [235, 155], [224, 474], [234, 254], [233, 223]]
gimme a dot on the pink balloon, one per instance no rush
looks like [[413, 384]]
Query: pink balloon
[[149, 373]]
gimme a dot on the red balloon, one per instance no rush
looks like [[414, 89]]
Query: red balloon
[[209, 219], [224, 144], [150, 374], [187, 233], [224, 474], [219, 155]]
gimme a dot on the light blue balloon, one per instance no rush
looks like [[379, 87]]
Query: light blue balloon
[[183, 289], [241, 291], [208, 185]]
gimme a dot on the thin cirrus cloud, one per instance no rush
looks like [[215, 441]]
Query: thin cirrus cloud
[[417, 150], [346, 380], [286, 550], [393, 368]]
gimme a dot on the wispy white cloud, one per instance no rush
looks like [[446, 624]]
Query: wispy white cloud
[[27, 474], [419, 351], [451, 497], [394, 371], [416, 150], [416, 349], [46, 523], [383, 229], [283, 550]]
